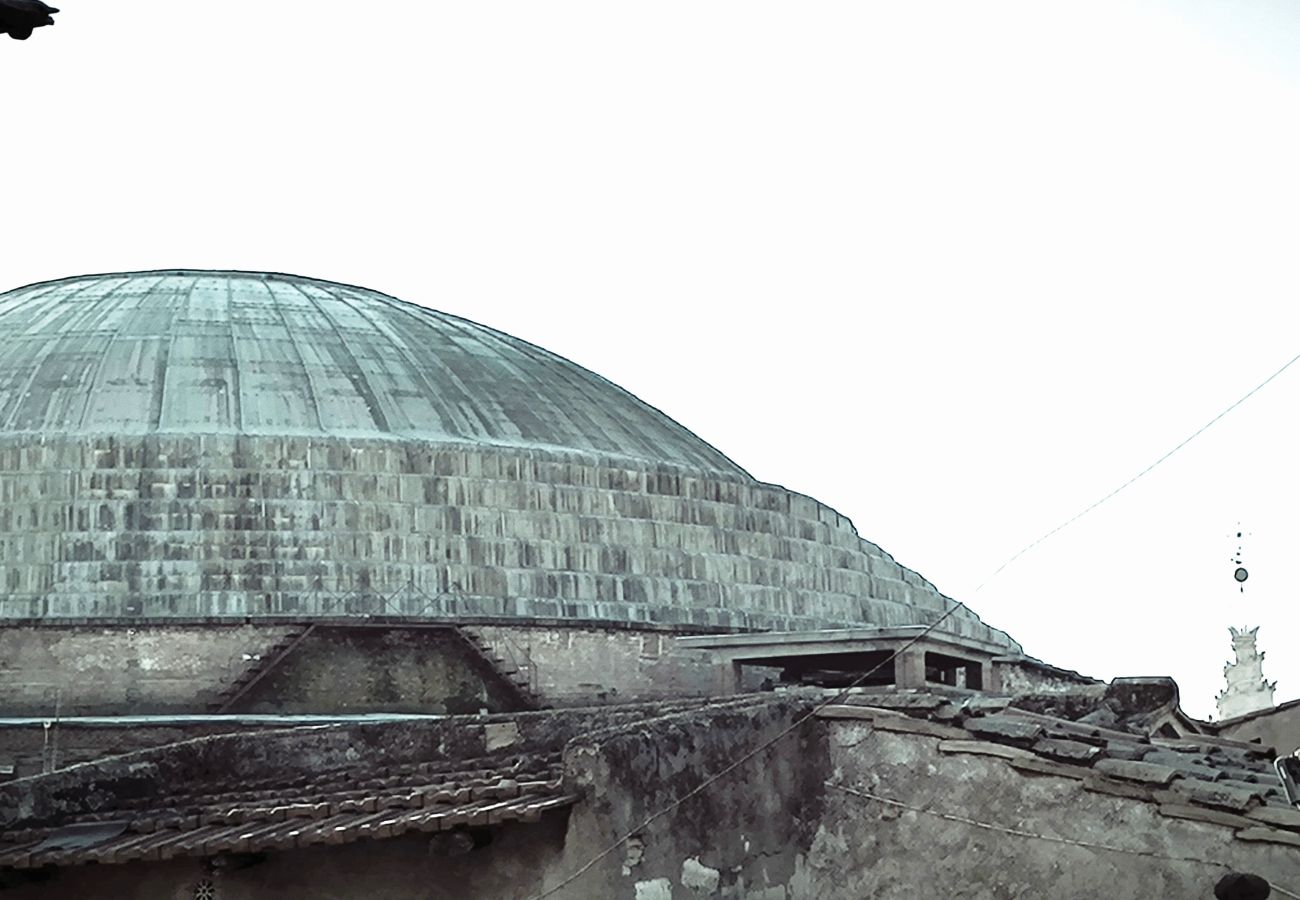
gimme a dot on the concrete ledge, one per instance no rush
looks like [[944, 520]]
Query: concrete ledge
[[765, 641], [363, 620]]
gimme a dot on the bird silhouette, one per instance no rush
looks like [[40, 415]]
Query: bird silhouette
[[19, 17]]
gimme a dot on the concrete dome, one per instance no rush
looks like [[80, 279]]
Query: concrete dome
[[223, 444], [186, 352]]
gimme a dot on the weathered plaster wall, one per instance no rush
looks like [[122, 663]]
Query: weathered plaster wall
[[743, 838], [88, 670], [584, 665], [34, 748], [1278, 728], [868, 849], [92, 670], [1021, 675], [379, 669], [223, 525]]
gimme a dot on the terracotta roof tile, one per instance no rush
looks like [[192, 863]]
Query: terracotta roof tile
[[305, 812]]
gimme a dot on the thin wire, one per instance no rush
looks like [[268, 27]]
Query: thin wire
[[727, 770], [1017, 832], [1180, 446]]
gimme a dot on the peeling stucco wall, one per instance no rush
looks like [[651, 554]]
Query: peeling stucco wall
[[1278, 728], [379, 669], [584, 665], [48, 670], [1024, 675], [741, 838], [68, 670], [865, 848]]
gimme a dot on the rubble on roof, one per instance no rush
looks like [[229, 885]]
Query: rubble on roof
[[1108, 737], [274, 790]]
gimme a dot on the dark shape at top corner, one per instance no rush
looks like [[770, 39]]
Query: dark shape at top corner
[[18, 18]]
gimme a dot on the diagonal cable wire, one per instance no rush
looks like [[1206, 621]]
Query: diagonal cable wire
[[736, 764], [1193, 436], [727, 770]]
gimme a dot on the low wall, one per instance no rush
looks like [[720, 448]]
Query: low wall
[[368, 669], [864, 848], [584, 665], [1278, 728], [1026, 675], [50, 670]]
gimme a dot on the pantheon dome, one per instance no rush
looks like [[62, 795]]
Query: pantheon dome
[[206, 444]]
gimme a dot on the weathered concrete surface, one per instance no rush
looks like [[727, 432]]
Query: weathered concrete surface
[[586, 665], [1023, 674], [88, 670], [1278, 727], [744, 837], [378, 669], [868, 849], [74, 670], [46, 745]]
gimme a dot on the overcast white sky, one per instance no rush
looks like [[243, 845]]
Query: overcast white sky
[[955, 269]]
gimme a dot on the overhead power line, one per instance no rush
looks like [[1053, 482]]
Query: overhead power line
[[1193, 436], [761, 748], [736, 764]]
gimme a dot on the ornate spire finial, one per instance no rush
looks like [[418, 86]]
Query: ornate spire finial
[[1247, 689]]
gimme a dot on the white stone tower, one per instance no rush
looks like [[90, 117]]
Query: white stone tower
[[1247, 689]]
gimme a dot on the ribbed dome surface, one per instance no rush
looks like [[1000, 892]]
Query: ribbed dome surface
[[196, 352]]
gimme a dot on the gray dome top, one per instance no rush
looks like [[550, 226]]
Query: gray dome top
[[199, 352]]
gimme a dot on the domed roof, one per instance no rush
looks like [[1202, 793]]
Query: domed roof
[[198, 352]]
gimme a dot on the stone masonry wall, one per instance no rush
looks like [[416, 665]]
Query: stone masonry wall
[[87, 670], [588, 665], [1278, 728], [868, 849], [79, 670], [1023, 675], [252, 526], [379, 669], [32, 748]]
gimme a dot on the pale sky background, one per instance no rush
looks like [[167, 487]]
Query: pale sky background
[[955, 269]]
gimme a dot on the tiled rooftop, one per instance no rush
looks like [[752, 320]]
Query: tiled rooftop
[[337, 808], [1194, 776], [273, 790], [256, 791]]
